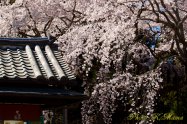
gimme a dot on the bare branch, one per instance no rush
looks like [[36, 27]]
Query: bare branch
[[170, 13], [35, 30], [47, 25]]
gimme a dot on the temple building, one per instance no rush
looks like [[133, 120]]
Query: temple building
[[33, 77]]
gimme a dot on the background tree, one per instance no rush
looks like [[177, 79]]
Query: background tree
[[171, 16], [37, 18]]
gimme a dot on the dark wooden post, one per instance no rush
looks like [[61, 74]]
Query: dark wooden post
[[65, 114]]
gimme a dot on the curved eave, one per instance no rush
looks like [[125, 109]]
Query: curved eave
[[43, 96], [37, 82], [28, 41]]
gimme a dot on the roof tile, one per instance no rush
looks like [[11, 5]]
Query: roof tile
[[33, 61]]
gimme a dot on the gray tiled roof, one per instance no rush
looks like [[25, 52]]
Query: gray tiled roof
[[32, 61], [33, 71]]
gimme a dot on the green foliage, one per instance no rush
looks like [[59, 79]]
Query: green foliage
[[172, 102]]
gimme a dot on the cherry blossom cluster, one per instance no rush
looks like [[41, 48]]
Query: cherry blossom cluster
[[98, 39]]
